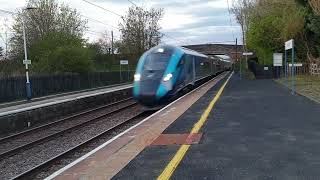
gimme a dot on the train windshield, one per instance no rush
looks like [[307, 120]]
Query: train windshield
[[157, 61]]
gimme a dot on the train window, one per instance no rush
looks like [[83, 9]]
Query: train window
[[157, 61], [182, 61]]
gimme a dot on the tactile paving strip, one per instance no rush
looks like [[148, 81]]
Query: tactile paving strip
[[177, 139]]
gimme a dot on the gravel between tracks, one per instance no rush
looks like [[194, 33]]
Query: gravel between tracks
[[16, 164], [37, 134], [72, 157]]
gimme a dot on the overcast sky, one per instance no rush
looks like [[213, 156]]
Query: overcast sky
[[186, 21]]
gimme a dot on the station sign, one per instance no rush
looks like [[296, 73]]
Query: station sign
[[26, 62], [124, 62], [277, 59], [296, 65], [289, 44], [247, 53]]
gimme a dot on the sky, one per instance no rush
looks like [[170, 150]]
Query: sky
[[185, 22]]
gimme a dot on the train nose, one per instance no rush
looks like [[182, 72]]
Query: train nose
[[148, 100], [147, 92]]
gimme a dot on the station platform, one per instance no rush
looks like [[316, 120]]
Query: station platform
[[15, 107], [228, 129]]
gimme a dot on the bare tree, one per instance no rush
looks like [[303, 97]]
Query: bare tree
[[69, 21], [315, 5], [140, 30], [5, 38], [242, 9], [1, 53], [105, 43]]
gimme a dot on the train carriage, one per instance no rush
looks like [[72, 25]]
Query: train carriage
[[164, 71]]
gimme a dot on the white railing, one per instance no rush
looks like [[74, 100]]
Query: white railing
[[314, 69]]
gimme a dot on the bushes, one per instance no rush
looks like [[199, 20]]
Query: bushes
[[70, 59], [272, 23], [11, 68], [59, 52]]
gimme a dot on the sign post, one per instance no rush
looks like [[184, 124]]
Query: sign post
[[245, 54], [124, 62], [277, 63], [290, 45], [28, 85]]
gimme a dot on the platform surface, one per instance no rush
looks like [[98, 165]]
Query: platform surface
[[256, 130], [15, 107]]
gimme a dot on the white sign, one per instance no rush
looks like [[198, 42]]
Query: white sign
[[26, 61], [266, 68], [289, 44], [124, 62], [296, 65], [277, 59], [247, 53]]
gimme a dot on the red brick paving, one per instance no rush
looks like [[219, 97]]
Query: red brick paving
[[177, 139]]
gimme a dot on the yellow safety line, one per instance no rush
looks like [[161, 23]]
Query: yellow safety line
[[173, 164]]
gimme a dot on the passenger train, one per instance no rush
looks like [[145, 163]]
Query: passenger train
[[164, 71]]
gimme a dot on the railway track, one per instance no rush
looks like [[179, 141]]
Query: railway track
[[31, 173], [17, 142], [36, 149]]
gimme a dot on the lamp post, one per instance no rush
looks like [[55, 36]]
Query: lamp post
[[26, 61]]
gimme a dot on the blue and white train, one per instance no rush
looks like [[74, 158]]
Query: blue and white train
[[164, 71]]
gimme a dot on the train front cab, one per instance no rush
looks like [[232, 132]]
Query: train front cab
[[156, 75]]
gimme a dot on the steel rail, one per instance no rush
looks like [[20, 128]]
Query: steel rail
[[7, 138], [27, 174], [29, 145]]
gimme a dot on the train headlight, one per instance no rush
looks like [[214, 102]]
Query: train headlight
[[160, 50], [137, 77], [167, 77]]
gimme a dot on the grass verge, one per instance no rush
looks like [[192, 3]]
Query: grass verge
[[306, 85]]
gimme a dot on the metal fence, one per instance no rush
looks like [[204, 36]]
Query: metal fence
[[269, 71], [314, 69], [14, 88]]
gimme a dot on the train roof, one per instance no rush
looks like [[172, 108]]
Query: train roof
[[224, 58], [183, 49], [192, 52]]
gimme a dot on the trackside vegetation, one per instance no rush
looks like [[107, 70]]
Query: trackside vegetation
[[57, 40], [62, 55], [268, 24]]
